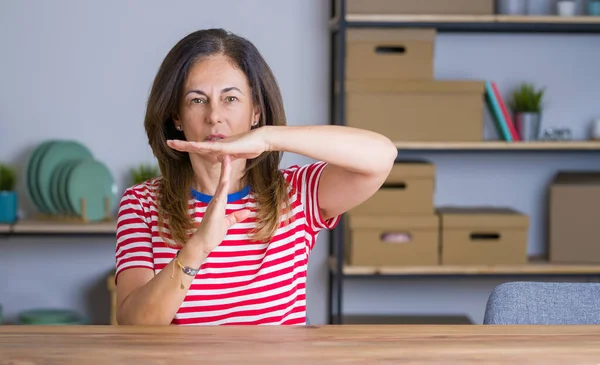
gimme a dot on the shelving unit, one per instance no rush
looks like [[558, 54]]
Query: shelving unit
[[339, 23]]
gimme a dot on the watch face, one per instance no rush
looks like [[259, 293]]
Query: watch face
[[190, 271]]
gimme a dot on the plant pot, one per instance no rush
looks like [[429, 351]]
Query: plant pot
[[566, 7], [512, 7], [528, 125], [8, 206]]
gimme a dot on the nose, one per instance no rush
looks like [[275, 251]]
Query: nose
[[215, 115]]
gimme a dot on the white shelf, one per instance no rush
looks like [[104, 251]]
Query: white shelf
[[502, 145], [62, 227]]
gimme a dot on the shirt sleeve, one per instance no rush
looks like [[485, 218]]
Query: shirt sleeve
[[304, 180], [134, 234]]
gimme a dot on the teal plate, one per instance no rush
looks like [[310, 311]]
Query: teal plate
[[93, 181], [57, 153], [63, 190], [55, 186], [32, 168]]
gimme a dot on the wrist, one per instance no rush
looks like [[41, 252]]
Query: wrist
[[194, 252], [269, 134]]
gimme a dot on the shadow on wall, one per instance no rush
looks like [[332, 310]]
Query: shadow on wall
[[98, 301]]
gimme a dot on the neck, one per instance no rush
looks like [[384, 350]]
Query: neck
[[207, 174]]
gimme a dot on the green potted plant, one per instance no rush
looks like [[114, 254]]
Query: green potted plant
[[143, 173], [8, 195], [526, 105]]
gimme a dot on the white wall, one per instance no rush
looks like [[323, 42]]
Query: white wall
[[83, 69], [75, 69]]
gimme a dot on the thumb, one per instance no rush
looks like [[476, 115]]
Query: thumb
[[236, 217]]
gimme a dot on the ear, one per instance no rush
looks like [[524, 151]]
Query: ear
[[255, 117], [177, 122]]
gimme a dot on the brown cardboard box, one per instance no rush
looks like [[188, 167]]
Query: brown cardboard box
[[483, 236], [574, 217], [425, 111], [392, 240], [381, 54], [409, 189], [429, 7]]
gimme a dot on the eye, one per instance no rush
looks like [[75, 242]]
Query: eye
[[198, 101], [231, 98]]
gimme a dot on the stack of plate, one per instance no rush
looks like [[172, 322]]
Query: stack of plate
[[51, 316], [64, 179]]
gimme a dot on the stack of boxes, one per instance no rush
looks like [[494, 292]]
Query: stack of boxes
[[398, 225], [391, 89]]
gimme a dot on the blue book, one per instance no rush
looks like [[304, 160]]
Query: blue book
[[496, 112]]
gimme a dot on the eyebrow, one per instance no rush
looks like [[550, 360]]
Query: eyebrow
[[225, 90]]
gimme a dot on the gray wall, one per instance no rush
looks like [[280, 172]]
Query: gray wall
[[73, 69]]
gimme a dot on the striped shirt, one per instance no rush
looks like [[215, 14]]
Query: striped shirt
[[241, 281]]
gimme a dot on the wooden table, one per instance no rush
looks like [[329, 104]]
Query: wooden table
[[362, 344]]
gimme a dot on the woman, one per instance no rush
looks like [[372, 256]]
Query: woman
[[235, 230]]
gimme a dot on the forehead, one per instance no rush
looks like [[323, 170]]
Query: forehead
[[215, 71]]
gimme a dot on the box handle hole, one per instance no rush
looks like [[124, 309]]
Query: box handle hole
[[396, 237], [399, 185], [390, 49], [482, 236]]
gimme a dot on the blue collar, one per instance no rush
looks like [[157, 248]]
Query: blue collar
[[230, 198]]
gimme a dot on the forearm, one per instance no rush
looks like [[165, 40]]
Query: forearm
[[157, 302], [353, 149]]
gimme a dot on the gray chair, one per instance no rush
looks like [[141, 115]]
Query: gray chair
[[543, 304]]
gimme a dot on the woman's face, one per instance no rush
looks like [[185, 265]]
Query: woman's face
[[216, 102]]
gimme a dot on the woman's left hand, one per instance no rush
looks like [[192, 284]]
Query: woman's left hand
[[245, 145]]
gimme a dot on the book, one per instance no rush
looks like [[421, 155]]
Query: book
[[507, 118], [496, 112]]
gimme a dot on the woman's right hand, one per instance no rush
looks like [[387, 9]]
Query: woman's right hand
[[215, 223]]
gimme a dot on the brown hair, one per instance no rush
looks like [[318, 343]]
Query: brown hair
[[262, 173]]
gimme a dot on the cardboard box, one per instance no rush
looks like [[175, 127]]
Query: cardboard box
[[392, 240], [382, 54], [409, 189], [574, 217], [483, 236], [423, 111], [428, 7]]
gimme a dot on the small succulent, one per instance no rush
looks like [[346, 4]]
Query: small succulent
[[8, 178], [526, 99], [143, 172]]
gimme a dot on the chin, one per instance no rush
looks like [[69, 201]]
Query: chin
[[210, 159]]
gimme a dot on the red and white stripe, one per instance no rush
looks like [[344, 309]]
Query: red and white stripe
[[241, 281]]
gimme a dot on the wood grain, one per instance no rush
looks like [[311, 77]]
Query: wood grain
[[392, 344], [534, 268]]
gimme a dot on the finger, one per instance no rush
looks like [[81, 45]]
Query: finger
[[195, 147], [223, 187], [236, 217]]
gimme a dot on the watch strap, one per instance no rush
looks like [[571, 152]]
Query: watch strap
[[186, 269]]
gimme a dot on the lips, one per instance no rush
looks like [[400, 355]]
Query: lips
[[214, 137]]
